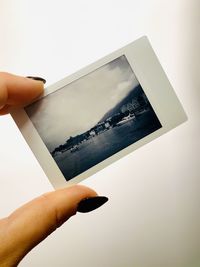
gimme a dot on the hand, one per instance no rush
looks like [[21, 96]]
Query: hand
[[33, 222]]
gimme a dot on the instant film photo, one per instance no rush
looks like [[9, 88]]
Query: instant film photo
[[94, 117]]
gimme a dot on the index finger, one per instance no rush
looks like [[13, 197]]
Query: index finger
[[17, 91]]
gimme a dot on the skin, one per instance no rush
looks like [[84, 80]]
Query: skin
[[33, 222]]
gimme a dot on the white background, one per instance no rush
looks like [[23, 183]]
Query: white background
[[152, 218]]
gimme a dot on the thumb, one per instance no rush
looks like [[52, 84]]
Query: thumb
[[34, 221]]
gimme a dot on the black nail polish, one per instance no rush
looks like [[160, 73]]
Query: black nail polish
[[37, 79], [92, 203]]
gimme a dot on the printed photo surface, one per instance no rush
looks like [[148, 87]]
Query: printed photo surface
[[94, 117]]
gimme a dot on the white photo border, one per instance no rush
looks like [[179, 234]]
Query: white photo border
[[154, 83]]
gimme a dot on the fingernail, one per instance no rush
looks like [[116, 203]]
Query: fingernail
[[92, 203], [37, 79]]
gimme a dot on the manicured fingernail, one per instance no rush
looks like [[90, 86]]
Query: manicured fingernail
[[37, 79], [92, 203]]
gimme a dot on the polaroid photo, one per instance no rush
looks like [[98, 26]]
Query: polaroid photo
[[98, 115]]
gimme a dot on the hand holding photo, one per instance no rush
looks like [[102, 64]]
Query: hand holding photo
[[94, 117]]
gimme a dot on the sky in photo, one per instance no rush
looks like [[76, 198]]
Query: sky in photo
[[78, 106]]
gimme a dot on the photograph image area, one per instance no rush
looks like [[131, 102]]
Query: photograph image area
[[94, 117]]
